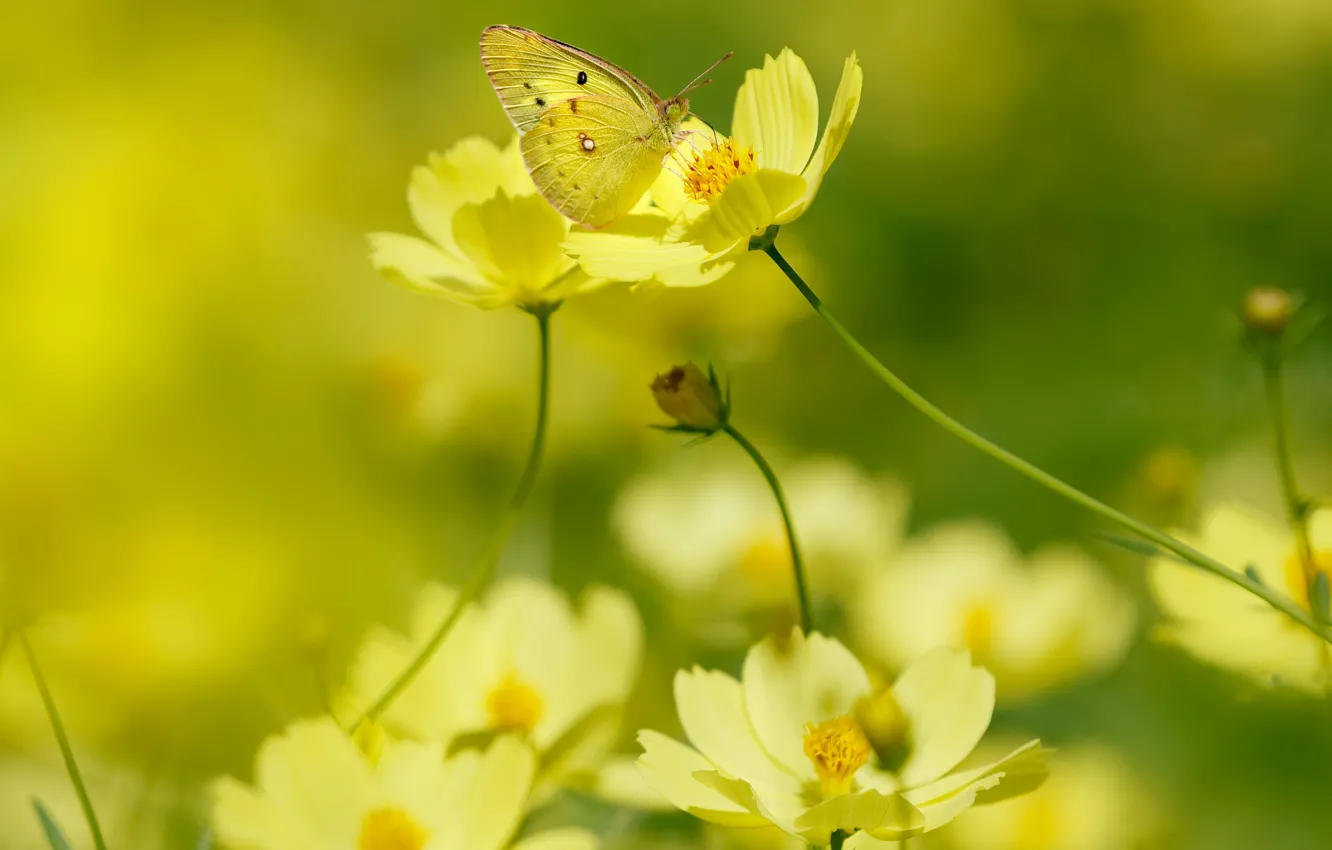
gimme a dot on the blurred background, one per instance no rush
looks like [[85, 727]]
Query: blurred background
[[226, 445]]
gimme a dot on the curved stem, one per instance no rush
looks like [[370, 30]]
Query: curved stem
[[62, 739], [489, 558], [1177, 547], [1297, 507], [797, 565], [838, 839]]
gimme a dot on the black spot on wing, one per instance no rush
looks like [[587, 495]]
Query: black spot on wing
[[582, 78]]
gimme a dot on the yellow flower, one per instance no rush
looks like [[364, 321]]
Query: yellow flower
[[491, 240], [1092, 801], [521, 661], [314, 789], [1224, 625], [1035, 623], [783, 745], [766, 173], [709, 530]]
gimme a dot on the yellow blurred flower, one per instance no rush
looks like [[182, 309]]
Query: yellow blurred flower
[[784, 745], [1222, 624], [730, 189], [1092, 801], [1036, 623], [709, 530], [521, 661], [491, 240], [314, 789]]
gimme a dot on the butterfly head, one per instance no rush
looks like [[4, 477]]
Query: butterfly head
[[675, 110]]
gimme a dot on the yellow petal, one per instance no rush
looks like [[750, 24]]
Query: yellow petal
[[314, 770], [496, 788], [639, 248], [514, 242], [777, 113], [620, 781], [845, 105], [1020, 772], [885, 816], [669, 767], [242, 817], [712, 711], [471, 171], [948, 704], [745, 209], [813, 679], [419, 265]]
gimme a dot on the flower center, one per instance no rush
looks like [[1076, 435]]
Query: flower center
[[838, 748], [1295, 576], [391, 829], [766, 565], [714, 168], [514, 706], [978, 629]]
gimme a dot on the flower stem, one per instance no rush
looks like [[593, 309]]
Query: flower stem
[[62, 739], [489, 558], [1297, 507], [797, 565], [1278, 601], [838, 839]]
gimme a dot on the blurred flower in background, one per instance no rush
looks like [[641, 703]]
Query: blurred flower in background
[[1036, 623], [1221, 624], [708, 530], [521, 661]]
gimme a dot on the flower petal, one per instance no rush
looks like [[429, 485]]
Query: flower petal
[[948, 704], [777, 112], [514, 241], [846, 103], [669, 767], [745, 209], [712, 710], [242, 817], [619, 780], [813, 679], [419, 265], [1019, 772], [471, 171], [639, 248], [495, 794], [315, 771], [884, 816]]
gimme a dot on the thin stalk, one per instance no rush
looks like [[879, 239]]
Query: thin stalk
[[838, 839], [1297, 507], [62, 739], [489, 558], [797, 564], [1282, 603]]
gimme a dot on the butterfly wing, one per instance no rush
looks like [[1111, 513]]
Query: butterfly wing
[[592, 157], [531, 73]]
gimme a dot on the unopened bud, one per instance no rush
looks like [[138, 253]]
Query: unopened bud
[[1268, 310], [691, 398]]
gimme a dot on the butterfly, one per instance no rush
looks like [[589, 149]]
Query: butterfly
[[593, 136]]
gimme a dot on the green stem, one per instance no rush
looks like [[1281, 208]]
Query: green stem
[[838, 839], [797, 565], [489, 558], [1297, 507], [62, 739], [1278, 601]]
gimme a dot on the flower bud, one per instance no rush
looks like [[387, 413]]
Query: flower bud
[[691, 398], [1268, 310]]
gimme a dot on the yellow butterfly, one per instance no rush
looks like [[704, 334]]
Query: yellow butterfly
[[593, 135]]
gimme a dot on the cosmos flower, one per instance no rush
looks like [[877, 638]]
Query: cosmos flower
[[804, 742]]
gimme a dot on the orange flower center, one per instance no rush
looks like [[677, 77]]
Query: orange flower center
[[391, 829], [514, 706], [837, 748], [713, 169]]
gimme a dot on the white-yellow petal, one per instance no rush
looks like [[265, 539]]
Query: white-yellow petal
[[419, 265], [884, 816], [669, 767], [948, 704], [777, 113], [712, 711], [846, 104], [569, 838], [814, 678], [242, 817], [638, 248], [746, 208], [313, 769], [619, 780], [513, 241], [497, 785], [1020, 772]]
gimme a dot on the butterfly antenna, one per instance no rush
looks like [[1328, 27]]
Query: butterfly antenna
[[696, 84]]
